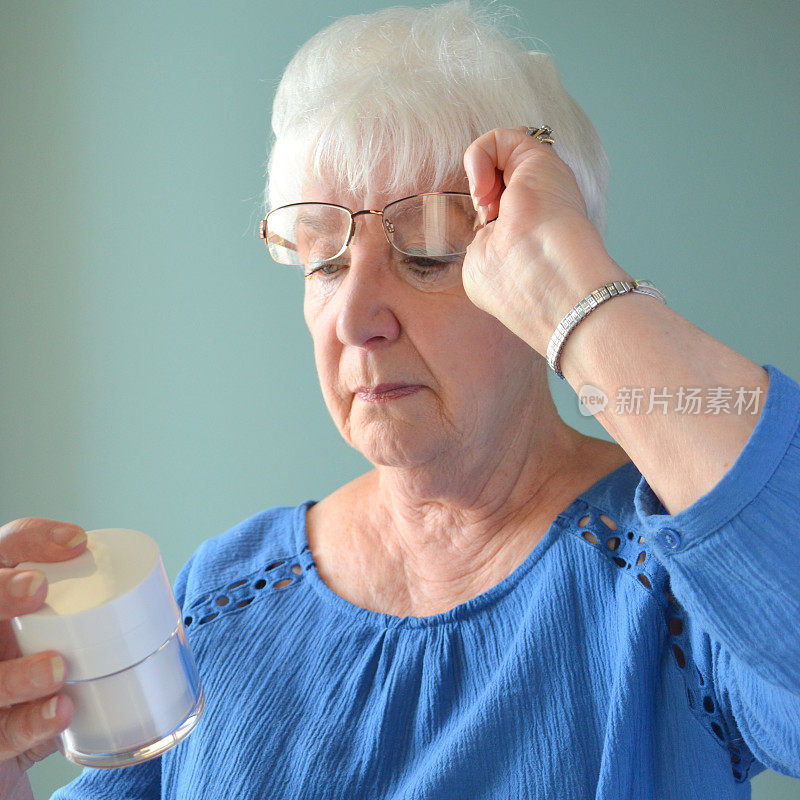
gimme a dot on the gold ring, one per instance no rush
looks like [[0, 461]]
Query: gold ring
[[541, 134]]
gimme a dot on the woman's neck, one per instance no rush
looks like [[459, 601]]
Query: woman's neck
[[411, 542]]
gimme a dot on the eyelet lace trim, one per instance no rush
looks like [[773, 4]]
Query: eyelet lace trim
[[630, 552], [701, 694], [279, 573]]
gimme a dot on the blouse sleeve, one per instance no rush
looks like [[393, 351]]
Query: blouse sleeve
[[140, 782], [733, 559]]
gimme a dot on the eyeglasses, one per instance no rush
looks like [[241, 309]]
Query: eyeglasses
[[434, 225]]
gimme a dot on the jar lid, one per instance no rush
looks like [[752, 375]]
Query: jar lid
[[105, 610]]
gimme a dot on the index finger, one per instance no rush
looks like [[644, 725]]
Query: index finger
[[39, 539]]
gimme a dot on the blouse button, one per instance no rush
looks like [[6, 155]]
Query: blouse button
[[669, 538]]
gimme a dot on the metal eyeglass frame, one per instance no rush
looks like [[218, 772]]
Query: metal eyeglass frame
[[386, 226]]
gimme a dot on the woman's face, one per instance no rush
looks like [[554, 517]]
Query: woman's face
[[382, 318]]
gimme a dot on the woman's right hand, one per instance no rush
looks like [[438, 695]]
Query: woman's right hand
[[32, 711]]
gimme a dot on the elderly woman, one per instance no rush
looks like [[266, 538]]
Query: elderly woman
[[502, 607]]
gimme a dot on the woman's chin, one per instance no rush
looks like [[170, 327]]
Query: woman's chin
[[406, 452]]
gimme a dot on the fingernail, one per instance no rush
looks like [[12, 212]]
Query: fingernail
[[57, 665], [49, 708], [25, 584], [68, 537], [481, 214], [47, 672]]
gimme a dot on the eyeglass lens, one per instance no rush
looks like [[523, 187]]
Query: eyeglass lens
[[432, 226]]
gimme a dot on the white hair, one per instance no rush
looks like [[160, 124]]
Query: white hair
[[390, 101]]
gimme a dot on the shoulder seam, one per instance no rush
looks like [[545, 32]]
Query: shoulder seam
[[624, 547]]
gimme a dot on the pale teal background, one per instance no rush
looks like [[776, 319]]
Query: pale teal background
[[156, 373]]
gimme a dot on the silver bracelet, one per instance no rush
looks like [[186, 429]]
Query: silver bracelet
[[589, 303]]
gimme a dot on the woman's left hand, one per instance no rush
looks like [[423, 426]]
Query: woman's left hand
[[540, 255]]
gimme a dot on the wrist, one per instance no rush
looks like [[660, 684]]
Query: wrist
[[601, 348], [572, 285], [588, 304]]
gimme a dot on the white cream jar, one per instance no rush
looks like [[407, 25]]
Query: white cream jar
[[131, 675]]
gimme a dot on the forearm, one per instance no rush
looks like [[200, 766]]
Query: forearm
[[635, 342]]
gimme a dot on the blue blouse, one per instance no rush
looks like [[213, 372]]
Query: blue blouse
[[633, 654]]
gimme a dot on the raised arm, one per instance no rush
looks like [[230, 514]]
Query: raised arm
[[539, 257]]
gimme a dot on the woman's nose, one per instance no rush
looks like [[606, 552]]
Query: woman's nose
[[367, 296]]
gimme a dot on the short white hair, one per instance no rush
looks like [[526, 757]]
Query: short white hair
[[389, 102]]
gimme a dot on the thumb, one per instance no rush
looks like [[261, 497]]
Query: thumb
[[39, 539]]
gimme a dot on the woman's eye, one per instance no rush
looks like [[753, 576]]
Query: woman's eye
[[421, 267], [427, 267], [325, 269]]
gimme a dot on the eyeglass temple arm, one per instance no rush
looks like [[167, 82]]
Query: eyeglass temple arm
[[274, 238]]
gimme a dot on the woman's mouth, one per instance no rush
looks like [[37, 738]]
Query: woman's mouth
[[386, 391]]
